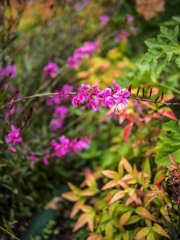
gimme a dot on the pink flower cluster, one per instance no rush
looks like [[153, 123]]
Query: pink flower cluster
[[83, 52], [107, 97], [50, 70], [60, 111], [124, 33], [33, 159], [59, 114], [56, 99], [104, 19], [13, 137], [9, 71], [66, 145]]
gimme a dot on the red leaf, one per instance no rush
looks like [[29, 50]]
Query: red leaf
[[127, 131], [173, 161], [158, 183], [167, 112]]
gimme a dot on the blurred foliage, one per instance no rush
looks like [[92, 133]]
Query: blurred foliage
[[34, 32]]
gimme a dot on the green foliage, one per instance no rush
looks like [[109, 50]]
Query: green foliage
[[47, 232], [169, 143], [162, 50], [30, 40]]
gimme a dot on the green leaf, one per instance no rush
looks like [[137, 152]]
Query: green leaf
[[162, 50], [4, 95], [133, 219], [158, 229], [143, 233], [24, 91], [169, 143]]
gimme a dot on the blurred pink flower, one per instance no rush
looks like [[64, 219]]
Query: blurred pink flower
[[9, 71], [133, 30], [104, 19], [50, 70], [130, 18]]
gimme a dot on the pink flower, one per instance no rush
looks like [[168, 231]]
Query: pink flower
[[50, 70], [94, 104], [33, 159], [73, 62], [106, 99], [133, 30], [81, 95], [59, 114], [83, 52], [56, 124], [45, 160], [121, 97], [78, 5], [130, 18], [122, 35], [79, 145], [60, 111], [104, 19], [14, 137], [9, 71], [116, 86]]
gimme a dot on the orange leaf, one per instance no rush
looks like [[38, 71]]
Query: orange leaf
[[110, 184], [167, 112], [76, 208], [142, 233], [126, 164], [117, 196], [145, 213], [87, 193], [70, 196], [95, 237], [158, 229], [127, 131], [83, 219], [111, 174]]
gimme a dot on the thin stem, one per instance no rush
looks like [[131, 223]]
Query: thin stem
[[172, 89], [153, 101], [9, 233], [73, 93]]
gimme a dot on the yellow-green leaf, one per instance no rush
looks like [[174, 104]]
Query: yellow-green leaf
[[151, 236], [158, 229], [133, 219], [124, 218], [142, 233], [109, 230], [117, 196], [74, 188], [145, 213]]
